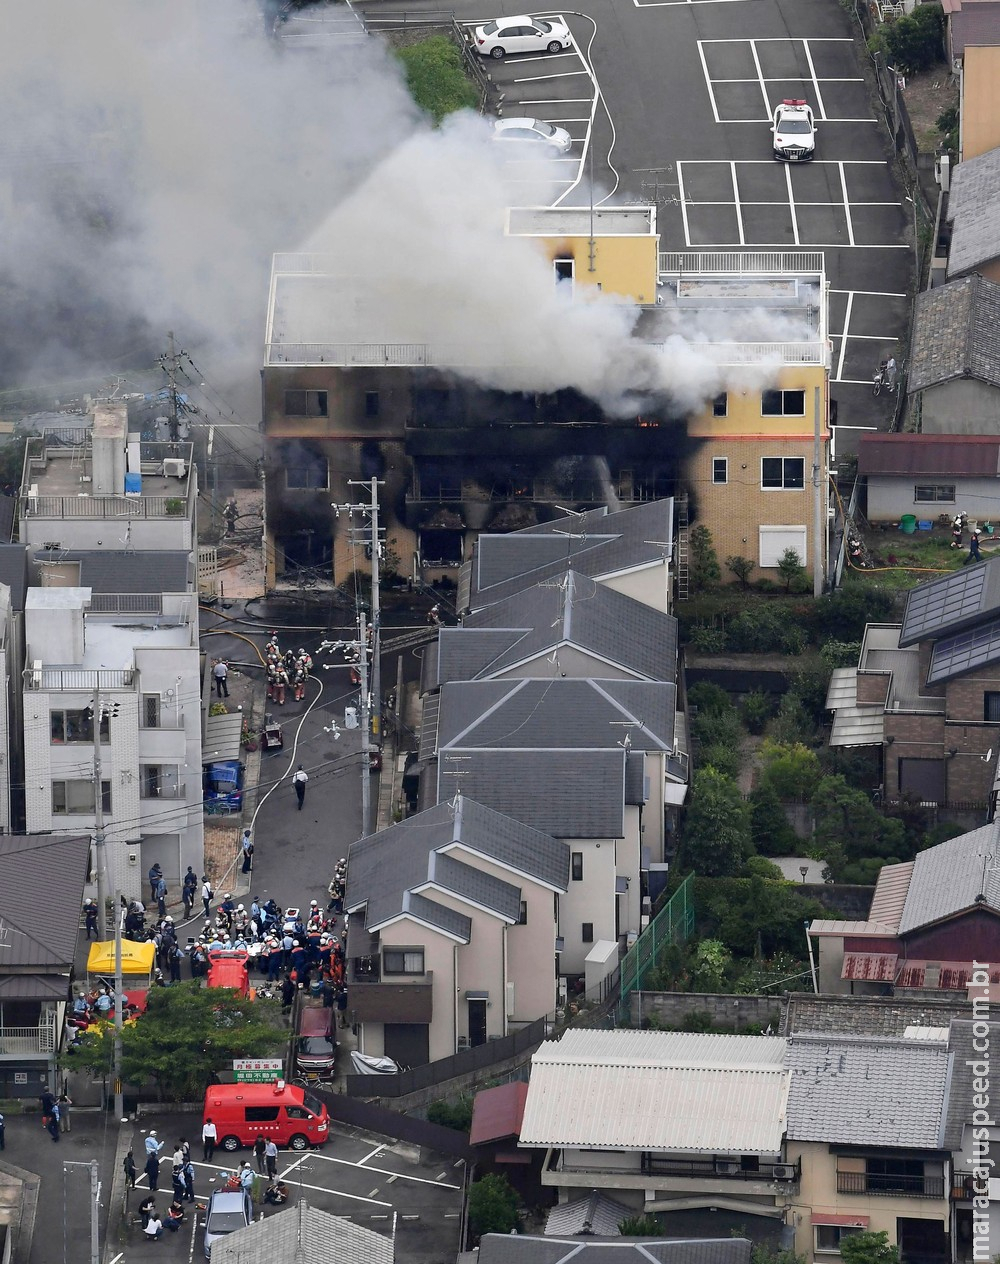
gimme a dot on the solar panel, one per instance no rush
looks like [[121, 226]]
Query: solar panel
[[964, 652], [941, 603]]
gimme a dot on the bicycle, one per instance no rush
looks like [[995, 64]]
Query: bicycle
[[884, 376]]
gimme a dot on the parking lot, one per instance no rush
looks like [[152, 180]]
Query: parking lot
[[384, 1185]]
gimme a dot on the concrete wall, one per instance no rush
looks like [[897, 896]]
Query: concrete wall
[[890, 497], [962, 406], [726, 1012]]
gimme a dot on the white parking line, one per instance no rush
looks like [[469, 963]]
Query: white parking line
[[708, 80], [557, 101], [683, 203], [791, 202], [847, 205], [371, 1154], [420, 1180], [760, 77], [736, 199], [538, 78], [844, 335], [872, 293], [812, 70], [785, 78]]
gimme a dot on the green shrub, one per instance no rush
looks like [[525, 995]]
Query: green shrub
[[707, 639], [791, 769], [840, 653], [756, 709], [457, 1115], [709, 698], [843, 614], [703, 571], [765, 629], [741, 568], [493, 1207], [436, 78], [698, 1020], [761, 867], [640, 1227], [769, 828]]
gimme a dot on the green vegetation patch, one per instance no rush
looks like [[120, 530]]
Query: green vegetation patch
[[436, 77]]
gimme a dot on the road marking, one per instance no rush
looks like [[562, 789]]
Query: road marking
[[736, 201], [683, 201], [873, 293], [760, 77], [812, 71], [791, 202], [292, 1166], [570, 74], [339, 1193], [708, 80], [845, 335], [783, 78], [371, 1154], [382, 1171], [847, 205], [558, 101], [782, 39]]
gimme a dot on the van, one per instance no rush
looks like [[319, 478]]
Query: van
[[227, 968], [315, 1046], [289, 1115]]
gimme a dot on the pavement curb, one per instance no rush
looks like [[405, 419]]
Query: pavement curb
[[115, 1236], [24, 1231]]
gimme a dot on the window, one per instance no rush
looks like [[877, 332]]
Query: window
[[783, 404], [307, 471], [934, 494], [305, 404], [150, 710], [782, 473], [71, 798], [261, 1114], [587, 932], [564, 269], [720, 405], [403, 961], [828, 1237], [991, 708], [720, 469], [151, 781], [576, 866], [371, 403], [296, 1112], [522, 916], [773, 541], [77, 726]]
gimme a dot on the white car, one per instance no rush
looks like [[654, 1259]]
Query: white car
[[521, 35], [534, 131], [794, 132]]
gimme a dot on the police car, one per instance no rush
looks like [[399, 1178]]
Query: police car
[[794, 132]]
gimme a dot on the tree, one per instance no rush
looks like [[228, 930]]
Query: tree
[[703, 570], [914, 42], [868, 1247], [716, 836], [848, 827], [187, 1034], [709, 964], [790, 568], [741, 568], [493, 1207], [769, 828], [790, 769]]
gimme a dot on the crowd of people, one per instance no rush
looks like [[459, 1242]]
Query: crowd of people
[[285, 670]]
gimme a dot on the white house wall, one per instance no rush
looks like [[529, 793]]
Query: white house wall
[[439, 958], [889, 497], [650, 585], [591, 900]]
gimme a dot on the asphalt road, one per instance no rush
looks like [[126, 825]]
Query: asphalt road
[[669, 102]]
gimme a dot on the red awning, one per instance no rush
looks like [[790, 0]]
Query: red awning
[[952, 976], [848, 1222], [874, 967], [497, 1113]]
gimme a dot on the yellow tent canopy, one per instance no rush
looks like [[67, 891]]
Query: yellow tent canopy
[[136, 958]]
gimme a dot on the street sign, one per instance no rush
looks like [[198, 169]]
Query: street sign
[[257, 1070]]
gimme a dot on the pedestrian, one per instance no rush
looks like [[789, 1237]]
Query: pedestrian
[[206, 893], [175, 956], [128, 1164], [175, 1216], [147, 1208], [65, 1102], [187, 894], [287, 994], [154, 1226], [3, 1139], [259, 1146], [177, 1180], [209, 1138], [53, 1124], [221, 671], [161, 897], [152, 1170], [154, 875], [271, 1157], [189, 1181], [247, 1178], [247, 845], [152, 1145], [342, 1006], [299, 781], [231, 513], [90, 918], [974, 554]]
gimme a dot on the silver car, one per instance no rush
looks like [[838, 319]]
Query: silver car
[[228, 1210]]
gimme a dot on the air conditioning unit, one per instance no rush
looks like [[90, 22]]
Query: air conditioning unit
[[36, 673], [727, 1167], [784, 1171], [32, 505], [174, 467]]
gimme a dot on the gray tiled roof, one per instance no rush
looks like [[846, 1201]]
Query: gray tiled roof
[[950, 878], [149, 571], [506, 564], [960, 1089], [389, 871], [41, 894], [571, 610], [956, 333], [973, 24], [566, 793], [952, 602], [596, 1213], [972, 202], [857, 1091], [557, 714], [520, 1249], [306, 1235]]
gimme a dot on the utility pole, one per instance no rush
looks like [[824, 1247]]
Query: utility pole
[[117, 1069], [170, 364], [99, 852], [362, 649], [95, 1204], [374, 533]]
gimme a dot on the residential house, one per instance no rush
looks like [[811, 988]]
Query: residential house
[[821, 1134], [971, 1141], [40, 899], [975, 237], [496, 1125], [928, 475], [629, 550], [953, 384], [350, 390], [519, 1248], [757, 462], [927, 691], [102, 488], [135, 662], [969, 23], [980, 119], [306, 1235], [595, 1214], [930, 919], [453, 927], [13, 587]]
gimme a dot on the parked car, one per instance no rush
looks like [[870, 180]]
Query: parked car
[[316, 1048], [228, 1210], [521, 35], [794, 131], [534, 131], [241, 1112]]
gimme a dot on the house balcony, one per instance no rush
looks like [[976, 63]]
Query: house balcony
[[378, 1002], [890, 1186], [29, 1042], [662, 1175], [735, 1169], [963, 1187]]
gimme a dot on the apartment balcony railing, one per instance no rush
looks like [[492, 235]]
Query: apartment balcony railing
[[365, 970], [889, 1185], [759, 262], [104, 507], [77, 678], [720, 1169], [27, 1041]]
